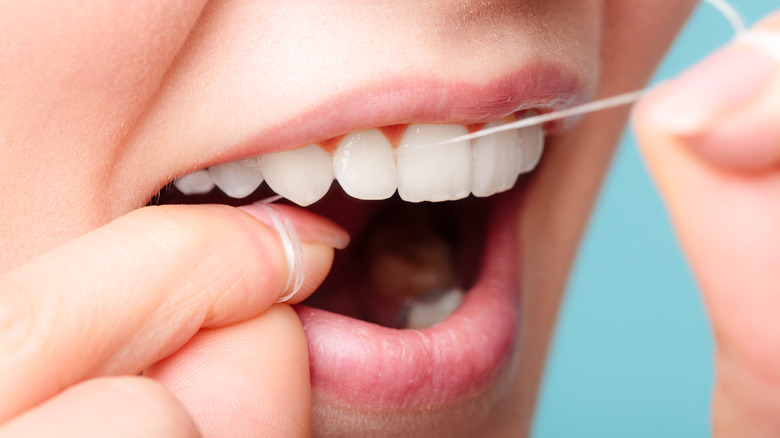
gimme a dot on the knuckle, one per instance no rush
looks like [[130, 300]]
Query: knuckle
[[183, 229], [232, 253], [25, 329]]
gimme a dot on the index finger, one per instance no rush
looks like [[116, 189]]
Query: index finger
[[128, 294]]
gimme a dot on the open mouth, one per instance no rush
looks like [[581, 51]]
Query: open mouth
[[422, 307]]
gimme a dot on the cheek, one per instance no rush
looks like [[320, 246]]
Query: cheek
[[637, 33], [73, 68], [73, 78]]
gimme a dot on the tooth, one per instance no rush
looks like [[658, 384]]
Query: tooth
[[531, 147], [364, 165], [433, 308], [433, 173], [196, 183], [235, 179], [301, 175], [253, 162], [495, 161]]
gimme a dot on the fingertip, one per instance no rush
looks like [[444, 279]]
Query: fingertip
[[247, 379], [309, 226], [724, 111], [137, 398], [318, 261], [301, 234], [771, 21], [661, 149]]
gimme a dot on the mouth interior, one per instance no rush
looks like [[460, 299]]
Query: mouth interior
[[408, 264]]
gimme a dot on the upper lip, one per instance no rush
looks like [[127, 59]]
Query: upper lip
[[543, 87]]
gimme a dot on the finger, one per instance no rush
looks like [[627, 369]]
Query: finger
[[126, 295], [117, 407], [248, 379], [712, 141]]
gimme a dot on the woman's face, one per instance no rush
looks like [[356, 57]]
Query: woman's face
[[105, 103]]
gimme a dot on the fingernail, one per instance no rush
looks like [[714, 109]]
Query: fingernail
[[309, 226], [762, 39], [727, 81], [296, 226]]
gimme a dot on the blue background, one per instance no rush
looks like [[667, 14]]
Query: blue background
[[632, 350]]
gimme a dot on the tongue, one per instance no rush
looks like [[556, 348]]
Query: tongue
[[408, 276]]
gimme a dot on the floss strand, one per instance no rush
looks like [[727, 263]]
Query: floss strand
[[722, 6]]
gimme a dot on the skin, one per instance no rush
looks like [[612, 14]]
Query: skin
[[105, 102], [717, 187]]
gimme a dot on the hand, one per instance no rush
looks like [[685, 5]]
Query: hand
[[191, 286], [712, 141]]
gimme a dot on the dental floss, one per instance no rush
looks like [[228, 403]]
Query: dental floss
[[730, 13], [596, 105], [722, 6], [767, 41], [293, 250], [270, 199]]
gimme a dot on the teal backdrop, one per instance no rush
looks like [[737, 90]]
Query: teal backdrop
[[632, 351]]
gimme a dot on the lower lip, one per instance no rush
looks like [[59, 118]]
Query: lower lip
[[373, 366]]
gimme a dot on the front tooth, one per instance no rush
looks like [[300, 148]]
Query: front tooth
[[495, 161], [531, 147], [436, 307], [433, 173], [301, 175], [235, 179], [196, 183], [364, 165]]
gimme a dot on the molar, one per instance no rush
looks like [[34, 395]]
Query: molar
[[364, 165], [409, 270], [433, 173], [301, 175], [433, 308]]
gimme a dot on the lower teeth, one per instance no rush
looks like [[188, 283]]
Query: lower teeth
[[410, 278], [432, 308]]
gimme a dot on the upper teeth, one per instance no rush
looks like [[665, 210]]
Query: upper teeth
[[367, 166], [364, 165], [236, 179], [300, 175], [196, 183], [437, 173]]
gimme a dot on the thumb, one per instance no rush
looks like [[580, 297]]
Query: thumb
[[712, 141], [246, 379]]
